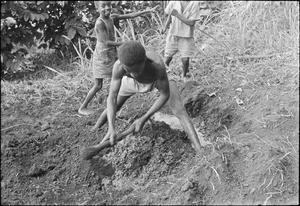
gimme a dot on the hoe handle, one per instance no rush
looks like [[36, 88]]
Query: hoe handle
[[88, 152]]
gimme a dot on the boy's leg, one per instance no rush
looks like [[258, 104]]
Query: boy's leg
[[170, 49], [103, 117], [180, 112], [186, 48], [185, 66], [97, 87]]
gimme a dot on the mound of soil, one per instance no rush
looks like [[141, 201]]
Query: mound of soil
[[252, 157]]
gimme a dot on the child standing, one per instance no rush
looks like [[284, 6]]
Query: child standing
[[105, 53], [183, 16]]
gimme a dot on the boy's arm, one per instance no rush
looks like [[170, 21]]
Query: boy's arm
[[168, 22], [102, 34], [133, 15], [163, 87], [114, 88], [190, 22]]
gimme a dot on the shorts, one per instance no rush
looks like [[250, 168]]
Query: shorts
[[185, 45], [130, 86], [104, 59]]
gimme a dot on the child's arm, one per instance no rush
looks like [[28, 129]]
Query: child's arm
[[114, 88], [190, 22], [168, 22], [164, 90], [132, 15]]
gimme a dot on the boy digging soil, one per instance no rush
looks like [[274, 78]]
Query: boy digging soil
[[138, 71]]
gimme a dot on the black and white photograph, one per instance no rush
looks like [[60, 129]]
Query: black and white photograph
[[150, 102]]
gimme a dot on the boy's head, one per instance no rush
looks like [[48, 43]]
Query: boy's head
[[132, 55], [103, 7]]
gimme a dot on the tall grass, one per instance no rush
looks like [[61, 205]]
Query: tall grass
[[254, 28], [84, 62]]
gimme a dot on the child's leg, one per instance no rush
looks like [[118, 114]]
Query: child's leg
[[180, 112], [103, 117], [97, 87], [185, 66], [187, 49], [171, 48]]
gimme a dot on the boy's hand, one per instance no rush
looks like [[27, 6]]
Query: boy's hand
[[174, 12], [111, 135], [163, 30], [138, 125], [154, 9]]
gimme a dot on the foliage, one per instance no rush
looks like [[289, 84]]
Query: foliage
[[141, 23], [30, 25], [27, 26]]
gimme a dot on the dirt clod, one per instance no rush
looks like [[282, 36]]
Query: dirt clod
[[36, 171]]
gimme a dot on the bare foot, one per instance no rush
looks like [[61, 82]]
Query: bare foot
[[186, 78], [94, 128], [85, 111]]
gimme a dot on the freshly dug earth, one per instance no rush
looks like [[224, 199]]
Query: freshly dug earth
[[251, 158]]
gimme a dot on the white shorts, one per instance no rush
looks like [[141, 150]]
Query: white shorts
[[129, 87], [185, 46]]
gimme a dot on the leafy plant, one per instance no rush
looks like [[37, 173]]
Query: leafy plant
[[27, 26], [40, 24]]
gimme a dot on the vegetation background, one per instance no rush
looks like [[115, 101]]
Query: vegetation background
[[243, 97]]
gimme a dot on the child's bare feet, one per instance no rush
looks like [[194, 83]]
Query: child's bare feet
[[85, 111], [94, 128], [186, 77]]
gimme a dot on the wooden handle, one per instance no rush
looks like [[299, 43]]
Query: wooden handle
[[89, 152], [119, 137]]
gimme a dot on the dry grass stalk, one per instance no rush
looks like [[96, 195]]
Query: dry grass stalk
[[266, 201], [227, 137], [262, 184], [218, 176], [10, 127], [263, 140]]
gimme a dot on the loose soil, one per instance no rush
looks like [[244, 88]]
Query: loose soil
[[251, 158]]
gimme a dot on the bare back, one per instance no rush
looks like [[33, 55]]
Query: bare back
[[154, 69]]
